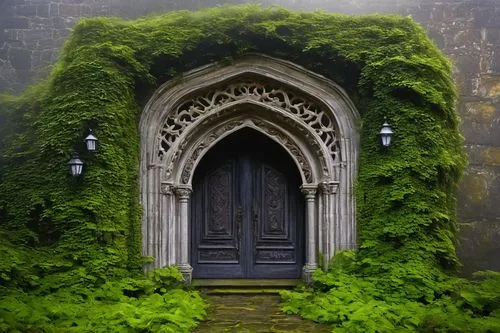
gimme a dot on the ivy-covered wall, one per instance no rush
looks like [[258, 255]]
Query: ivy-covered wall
[[88, 229], [468, 31]]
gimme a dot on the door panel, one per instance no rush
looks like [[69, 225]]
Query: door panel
[[276, 244], [219, 241], [217, 223], [247, 212]]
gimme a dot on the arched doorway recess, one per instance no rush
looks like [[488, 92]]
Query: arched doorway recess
[[309, 116], [247, 211]]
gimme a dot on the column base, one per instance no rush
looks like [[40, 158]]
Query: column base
[[187, 272], [307, 272]]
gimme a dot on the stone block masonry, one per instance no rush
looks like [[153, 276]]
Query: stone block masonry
[[468, 31]]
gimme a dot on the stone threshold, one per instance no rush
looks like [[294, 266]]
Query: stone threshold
[[253, 283]]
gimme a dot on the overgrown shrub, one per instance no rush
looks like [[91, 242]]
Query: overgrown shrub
[[153, 304], [353, 302]]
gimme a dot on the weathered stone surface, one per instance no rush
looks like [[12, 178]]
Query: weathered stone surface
[[69, 10], [489, 85], [491, 156], [26, 10], [480, 246], [16, 23], [43, 10], [257, 313], [20, 58], [479, 193], [480, 112], [481, 123]]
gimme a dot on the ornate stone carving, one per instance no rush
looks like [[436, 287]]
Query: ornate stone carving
[[329, 187], [300, 107], [206, 142], [291, 146], [309, 191], [183, 192], [281, 137], [167, 189]]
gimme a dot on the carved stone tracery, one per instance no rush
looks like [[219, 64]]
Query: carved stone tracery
[[206, 142], [302, 108], [191, 164]]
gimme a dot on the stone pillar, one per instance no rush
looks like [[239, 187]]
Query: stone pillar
[[331, 221], [168, 225], [183, 193], [309, 191]]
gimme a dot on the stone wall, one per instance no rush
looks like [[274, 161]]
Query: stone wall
[[468, 31]]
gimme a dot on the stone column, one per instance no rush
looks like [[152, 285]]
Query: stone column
[[309, 191], [331, 221], [183, 194], [168, 225]]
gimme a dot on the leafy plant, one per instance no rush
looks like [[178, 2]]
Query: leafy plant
[[126, 305]]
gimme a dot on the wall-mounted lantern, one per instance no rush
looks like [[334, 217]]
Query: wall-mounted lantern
[[91, 142], [386, 134], [75, 166]]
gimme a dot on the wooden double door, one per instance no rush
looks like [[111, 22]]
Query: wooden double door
[[247, 212]]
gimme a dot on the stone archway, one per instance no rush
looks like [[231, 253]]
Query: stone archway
[[309, 116]]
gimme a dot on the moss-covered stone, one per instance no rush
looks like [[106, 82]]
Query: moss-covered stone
[[252, 313]]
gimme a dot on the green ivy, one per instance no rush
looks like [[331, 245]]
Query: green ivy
[[62, 232]]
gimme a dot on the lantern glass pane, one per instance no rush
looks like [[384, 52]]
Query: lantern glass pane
[[75, 166], [75, 169], [91, 145], [386, 140]]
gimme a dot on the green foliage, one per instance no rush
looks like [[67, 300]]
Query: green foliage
[[64, 233], [126, 305], [352, 302]]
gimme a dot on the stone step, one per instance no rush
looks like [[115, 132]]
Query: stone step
[[253, 313], [241, 291], [263, 283]]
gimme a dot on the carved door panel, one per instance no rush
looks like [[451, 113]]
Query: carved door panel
[[247, 213], [277, 225], [217, 220]]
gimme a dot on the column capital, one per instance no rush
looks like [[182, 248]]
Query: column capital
[[183, 192], [309, 190], [167, 188], [329, 187]]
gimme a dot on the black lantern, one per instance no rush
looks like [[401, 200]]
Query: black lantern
[[91, 142], [75, 166], [386, 134]]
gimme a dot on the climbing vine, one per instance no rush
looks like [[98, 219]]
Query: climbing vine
[[59, 232]]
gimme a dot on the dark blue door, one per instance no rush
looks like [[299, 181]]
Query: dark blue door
[[247, 211]]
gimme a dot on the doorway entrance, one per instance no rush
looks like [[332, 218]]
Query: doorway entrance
[[247, 211]]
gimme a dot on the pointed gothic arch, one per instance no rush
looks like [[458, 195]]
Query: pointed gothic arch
[[311, 117]]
